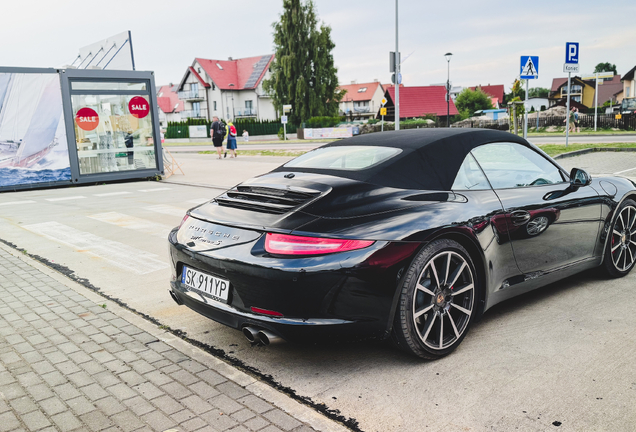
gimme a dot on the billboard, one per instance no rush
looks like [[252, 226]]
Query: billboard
[[33, 143]]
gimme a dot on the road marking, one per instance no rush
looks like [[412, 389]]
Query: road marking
[[111, 194], [154, 190], [620, 172], [135, 223], [17, 202], [168, 209], [66, 198], [118, 254], [198, 200]]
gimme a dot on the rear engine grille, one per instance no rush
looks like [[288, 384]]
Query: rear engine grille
[[265, 199]]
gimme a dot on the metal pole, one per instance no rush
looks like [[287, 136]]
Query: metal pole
[[397, 71], [595, 100], [525, 114], [382, 125], [132, 55], [448, 94], [567, 113]]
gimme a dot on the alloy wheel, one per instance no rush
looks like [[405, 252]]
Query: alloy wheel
[[443, 300], [623, 243]]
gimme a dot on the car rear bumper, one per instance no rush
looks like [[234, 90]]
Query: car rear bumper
[[343, 296]]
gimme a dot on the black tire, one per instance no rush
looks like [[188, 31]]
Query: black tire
[[434, 313], [620, 251]]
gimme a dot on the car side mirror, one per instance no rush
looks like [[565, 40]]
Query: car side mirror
[[579, 178]]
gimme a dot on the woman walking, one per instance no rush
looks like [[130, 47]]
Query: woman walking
[[231, 140]]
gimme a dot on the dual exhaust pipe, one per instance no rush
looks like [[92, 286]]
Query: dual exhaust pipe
[[264, 337]]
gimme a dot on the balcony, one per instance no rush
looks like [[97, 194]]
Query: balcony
[[361, 109], [244, 112], [192, 114], [192, 95]]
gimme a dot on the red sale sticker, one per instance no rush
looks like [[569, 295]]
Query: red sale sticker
[[138, 107], [87, 119]]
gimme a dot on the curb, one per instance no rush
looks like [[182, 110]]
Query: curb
[[280, 400], [592, 150]]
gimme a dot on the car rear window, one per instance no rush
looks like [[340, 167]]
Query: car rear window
[[348, 158]]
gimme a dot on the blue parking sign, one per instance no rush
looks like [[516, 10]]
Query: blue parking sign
[[572, 53]]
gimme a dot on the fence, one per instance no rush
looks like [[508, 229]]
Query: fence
[[180, 130], [605, 121]]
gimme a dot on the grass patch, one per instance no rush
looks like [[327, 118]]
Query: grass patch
[[284, 153], [557, 149]]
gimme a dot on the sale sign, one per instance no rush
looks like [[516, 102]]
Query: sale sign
[[87, 119], [138, 107]]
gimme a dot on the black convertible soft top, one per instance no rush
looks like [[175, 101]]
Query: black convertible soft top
[[429, 160]]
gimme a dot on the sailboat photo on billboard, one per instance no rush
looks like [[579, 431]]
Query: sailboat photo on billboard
[[33, 146]]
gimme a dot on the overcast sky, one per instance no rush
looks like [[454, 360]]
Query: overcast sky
[[486, 38]]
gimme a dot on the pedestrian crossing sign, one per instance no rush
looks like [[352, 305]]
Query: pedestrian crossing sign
[[529, 67]]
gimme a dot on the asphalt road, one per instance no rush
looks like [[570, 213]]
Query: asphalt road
[[558, 358], [274, 145]]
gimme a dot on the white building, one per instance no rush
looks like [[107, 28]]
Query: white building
[[361, 101], [229, 89], [535, 104], [170, 106]]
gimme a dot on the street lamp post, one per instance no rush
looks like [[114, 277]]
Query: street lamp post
[[448, 88]]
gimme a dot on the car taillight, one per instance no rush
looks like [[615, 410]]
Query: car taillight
[[282, 244], [185, 218]]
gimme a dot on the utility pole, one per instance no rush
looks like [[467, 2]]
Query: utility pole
[[397, 71]]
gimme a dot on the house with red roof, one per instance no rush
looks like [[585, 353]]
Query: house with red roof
[[361, 101], [229, 89], [496, 93], [170, 106], [419, 101]]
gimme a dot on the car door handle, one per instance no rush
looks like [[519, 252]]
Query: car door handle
[[519, 217]]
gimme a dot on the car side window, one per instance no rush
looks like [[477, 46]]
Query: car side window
[[470, 176], [510, 165]]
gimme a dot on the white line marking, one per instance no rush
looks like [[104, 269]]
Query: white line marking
[[154, 190], [168, 209], [620, 172], [134, 223], [198, 200], [118, 254], [111, 194], [17, 202], [66, 198]]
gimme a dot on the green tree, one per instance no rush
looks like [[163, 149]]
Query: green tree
[[515, 91], [538, 92], [303, 71], [605, 67], [469, 101]]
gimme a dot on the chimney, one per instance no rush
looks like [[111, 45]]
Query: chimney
[[375, 80], [230, 58], [354, 82]]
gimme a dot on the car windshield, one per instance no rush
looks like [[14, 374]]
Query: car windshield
[[349, 158]]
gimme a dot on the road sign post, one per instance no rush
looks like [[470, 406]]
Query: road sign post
[[382, 113], [283, 120], [571, 65], [529, 70]]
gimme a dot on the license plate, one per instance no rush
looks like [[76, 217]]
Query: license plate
[[215, 287]]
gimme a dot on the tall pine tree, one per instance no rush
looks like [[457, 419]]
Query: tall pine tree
[[303, 73]]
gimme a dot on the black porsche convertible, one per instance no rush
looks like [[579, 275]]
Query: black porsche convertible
[[409, 235]]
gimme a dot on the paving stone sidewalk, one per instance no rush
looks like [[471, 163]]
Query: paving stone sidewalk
[[69, 364]]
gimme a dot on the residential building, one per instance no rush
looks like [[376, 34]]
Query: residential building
[[418, 102], [361, 101], [170, 106], [607, 90], [629, 84], [536, 103], [496, 93], [581, 91], [229, 89]]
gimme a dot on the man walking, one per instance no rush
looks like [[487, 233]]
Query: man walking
[[218, 133]]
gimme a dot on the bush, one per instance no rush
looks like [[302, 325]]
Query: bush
[[323, 122]]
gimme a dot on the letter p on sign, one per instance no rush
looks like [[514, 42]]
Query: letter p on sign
[[572, 52]]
